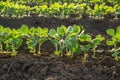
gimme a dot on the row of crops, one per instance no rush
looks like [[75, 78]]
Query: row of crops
[[67, 40], [65, 10], [66, 1]]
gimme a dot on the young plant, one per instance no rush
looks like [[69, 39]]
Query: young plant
[[94, 42], [71, 40], [85, 48], [65, 39], [99, 11], [3, 37], [13, 42], [56, 37], [115, 40], [42, 35], [36, 36], [79, 9]]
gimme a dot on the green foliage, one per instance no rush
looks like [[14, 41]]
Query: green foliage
[[92, 42], [115, 39], [37, 36], [61, 10], [13, 41], [65, 39]]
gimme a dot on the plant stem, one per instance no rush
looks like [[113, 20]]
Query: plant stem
[[56, 47], [85, 57], [13, 50], [39, 50], [94, 51]]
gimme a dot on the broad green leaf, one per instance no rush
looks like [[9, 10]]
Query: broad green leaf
[[86, 48], [96, 41], [76, 29], [110, 32], [115, 54], [32, 31], [85, 37], [72, 39], [32, 42], [42, 39], [110, 43], [39, 31], [78, 50], [8, 47], [61, 30], [72, 46], [42, 32], [100, 37], [24, 29], [45, 32], [52, 32], [54, 41], [69, 29]]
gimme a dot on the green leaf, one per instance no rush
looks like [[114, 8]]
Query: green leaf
[[32, 42], [76, 29], [72, 39], [42, 39], [54, 41], [78, 50], [69, 29], [115, 54], [118, 30], [72, 46], [87, 47], [100, 37], [32, 31], [42, 32], [61, 30], [96, 41], [118, 33], [45, 32], [39, 31], [24, 29], [110, 32], [52, 32], [85, 37], [8, 47], [110, 43]]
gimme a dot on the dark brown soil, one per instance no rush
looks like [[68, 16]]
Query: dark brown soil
[[48, 67]]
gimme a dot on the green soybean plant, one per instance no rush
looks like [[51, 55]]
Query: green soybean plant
[[42, 35], [65, 39], [13, 42], [3, 37], [72, 39], [95, 42], [114, 41], [85, 48], [36, 36], [56, 37], [86, 45]]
